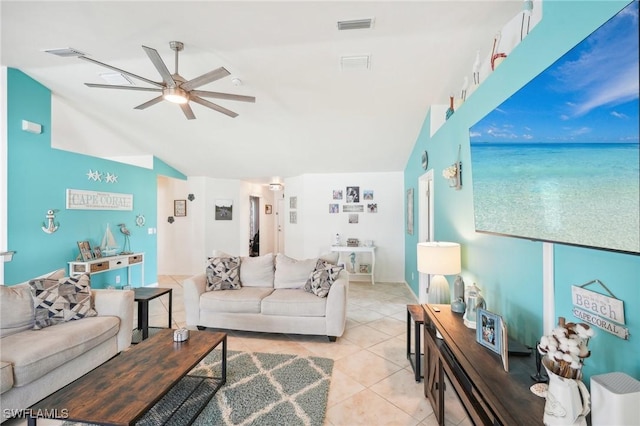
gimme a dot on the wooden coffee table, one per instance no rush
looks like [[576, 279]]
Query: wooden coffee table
[[122, 389]]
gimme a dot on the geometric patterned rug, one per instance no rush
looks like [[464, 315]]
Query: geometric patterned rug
[[267, 389], [261, 389]]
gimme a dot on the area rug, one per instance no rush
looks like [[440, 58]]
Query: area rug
[[261, 389]]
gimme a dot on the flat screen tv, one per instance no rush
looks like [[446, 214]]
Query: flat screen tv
[[559, 160]]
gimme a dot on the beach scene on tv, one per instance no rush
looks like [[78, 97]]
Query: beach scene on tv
[[559, 160]]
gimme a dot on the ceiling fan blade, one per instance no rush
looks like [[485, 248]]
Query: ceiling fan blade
[[188, 112], [213, 106], [114, 86], [102, 64], [219, 95], [150, 103], [160, 66], [205, 78]]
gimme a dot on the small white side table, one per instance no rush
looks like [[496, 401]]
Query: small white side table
[[360, 249]]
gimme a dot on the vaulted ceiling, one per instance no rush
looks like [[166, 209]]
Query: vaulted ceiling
[[310, 115]]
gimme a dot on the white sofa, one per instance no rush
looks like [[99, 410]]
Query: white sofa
[[272, 299], [36, 363]]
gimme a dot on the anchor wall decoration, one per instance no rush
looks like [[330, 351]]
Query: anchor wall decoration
[[51, 226]]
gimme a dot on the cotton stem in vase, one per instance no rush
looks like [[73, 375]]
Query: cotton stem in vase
[[566, 348]]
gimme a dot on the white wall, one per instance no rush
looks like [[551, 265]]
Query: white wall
[[184, 246], [316, 227], [173, 255]]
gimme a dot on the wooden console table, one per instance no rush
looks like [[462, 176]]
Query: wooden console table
[[109, 263], [490, 395], [359, 249]]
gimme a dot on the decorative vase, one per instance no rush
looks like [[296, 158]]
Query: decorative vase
[[568, 400], [450, 111]]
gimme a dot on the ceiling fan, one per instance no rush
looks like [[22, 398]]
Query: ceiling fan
[[174, 88]]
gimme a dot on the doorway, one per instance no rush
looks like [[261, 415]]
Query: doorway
[[280, 224], [425, 224], [254, 226]]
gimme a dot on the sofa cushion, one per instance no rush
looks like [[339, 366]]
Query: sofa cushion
[[6, 376], [244, 300], [330, 257], [320, 280], [292, 273], [257, 271], [294, 303], [34, 353], [58, 301], [16, 306], [223, 273]]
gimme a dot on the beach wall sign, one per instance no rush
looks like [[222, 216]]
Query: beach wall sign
[[602, 311]]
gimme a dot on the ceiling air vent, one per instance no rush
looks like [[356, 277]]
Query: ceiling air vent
[[355, 24], [65, 52], [355, 62]]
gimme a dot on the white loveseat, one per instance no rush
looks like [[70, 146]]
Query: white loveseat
[[35, 363], [272, 299]]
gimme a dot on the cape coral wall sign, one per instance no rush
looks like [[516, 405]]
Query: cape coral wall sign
[[604, 312], [78, 199]]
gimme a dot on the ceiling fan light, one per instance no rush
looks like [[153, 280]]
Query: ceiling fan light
[[175, 95]]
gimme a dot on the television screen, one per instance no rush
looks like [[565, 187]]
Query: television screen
[[559, 160]]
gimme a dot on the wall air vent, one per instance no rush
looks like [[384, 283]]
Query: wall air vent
[[65, 52], [355, 24]]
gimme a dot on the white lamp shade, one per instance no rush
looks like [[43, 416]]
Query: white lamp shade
[[439, 258]]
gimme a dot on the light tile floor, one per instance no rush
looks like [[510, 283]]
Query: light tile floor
[[372, 383]]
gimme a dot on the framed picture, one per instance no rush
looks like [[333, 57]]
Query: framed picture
[[372, 207], [293, 202], [224, 210], [364, 268], [293, 217], [353, 217], [85, 250], [337, 194], [410, 211], [268, 209], [97, 253], [334, 208], [353, 194], [367, 194], [179, 208], [352, 208], [489, 330]]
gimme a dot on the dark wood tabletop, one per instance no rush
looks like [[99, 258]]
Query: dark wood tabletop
[[506, 394], [148, 293], [121, 390]]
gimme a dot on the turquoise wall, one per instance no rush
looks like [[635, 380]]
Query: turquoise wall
[[509, 270], [38, 177]]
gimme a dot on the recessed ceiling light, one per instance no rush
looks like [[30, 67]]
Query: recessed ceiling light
[[116, 78], [65, 52], [355, 24]]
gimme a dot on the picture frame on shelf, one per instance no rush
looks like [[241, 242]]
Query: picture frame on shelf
[[97, 252], [85, 250], [179, 208], [364, 268], [491, 332]]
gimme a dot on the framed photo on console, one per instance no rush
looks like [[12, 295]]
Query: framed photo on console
[[85, 250], [491, 332]]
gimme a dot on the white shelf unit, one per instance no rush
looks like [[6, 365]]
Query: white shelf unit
[[357, 250]]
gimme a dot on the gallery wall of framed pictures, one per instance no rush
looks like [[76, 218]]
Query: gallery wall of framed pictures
[[353, 201]]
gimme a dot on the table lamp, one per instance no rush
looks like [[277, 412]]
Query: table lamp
[[438, 259]]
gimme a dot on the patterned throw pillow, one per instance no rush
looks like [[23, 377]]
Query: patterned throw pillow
[[61, 300], [223, 273], [320, 280]]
